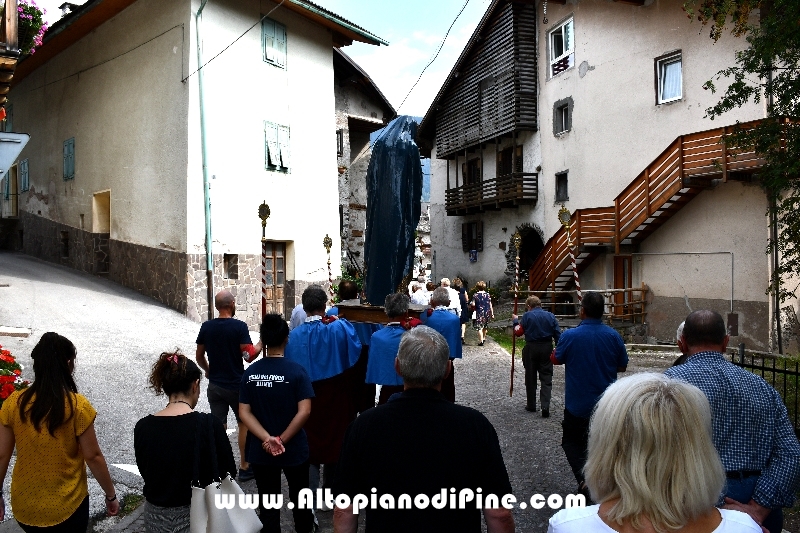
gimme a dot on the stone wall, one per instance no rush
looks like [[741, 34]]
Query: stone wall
[[64, 245], [246, 287], [154, 272]]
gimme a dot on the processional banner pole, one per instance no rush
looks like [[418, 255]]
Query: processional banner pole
[[327, 242], [517, 240], [263, 214], [564, 218]]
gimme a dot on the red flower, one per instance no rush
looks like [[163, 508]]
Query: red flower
[[18, 372], [8, 379], [6, 391]]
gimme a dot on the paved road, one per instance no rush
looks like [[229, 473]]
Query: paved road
[[118, 334]]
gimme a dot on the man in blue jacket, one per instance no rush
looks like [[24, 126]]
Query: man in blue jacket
[[443, 320]]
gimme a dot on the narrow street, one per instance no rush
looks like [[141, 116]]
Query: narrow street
[[118, 333]]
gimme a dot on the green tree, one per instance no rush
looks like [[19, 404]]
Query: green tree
[[766, 71]]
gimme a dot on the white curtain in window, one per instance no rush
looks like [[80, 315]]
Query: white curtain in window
[[671, 80]]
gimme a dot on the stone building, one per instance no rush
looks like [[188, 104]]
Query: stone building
[[599, 107], [361, 109], [137, 174]]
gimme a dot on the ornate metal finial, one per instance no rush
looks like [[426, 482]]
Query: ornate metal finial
[[263, 214], [327, 242], [564, 217], [517, 240]]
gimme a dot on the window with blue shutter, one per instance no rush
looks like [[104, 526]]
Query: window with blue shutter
[[276, 147], [273, 42], [23, 176], [69, 159]]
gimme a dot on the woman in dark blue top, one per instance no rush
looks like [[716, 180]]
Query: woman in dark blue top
[[463, 298], [274, 404]]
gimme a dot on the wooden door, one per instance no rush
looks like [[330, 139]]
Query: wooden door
[[276, 276], [622, 280]]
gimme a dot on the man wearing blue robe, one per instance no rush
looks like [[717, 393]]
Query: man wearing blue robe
[[443, 320], [384, 346], [327, 350], [365, 397]]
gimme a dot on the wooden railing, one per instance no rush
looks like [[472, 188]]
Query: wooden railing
[[628, 305], [9, 48], [669, 182], [516, 188]]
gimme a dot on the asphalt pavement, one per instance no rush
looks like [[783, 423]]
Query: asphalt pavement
[[118, 334]]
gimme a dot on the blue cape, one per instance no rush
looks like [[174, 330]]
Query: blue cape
[[364, 330], [324, 350], [382, 353], [449, 325]]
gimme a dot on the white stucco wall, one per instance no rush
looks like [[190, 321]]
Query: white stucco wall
[[125, 105], [617, 128], [242, 91]]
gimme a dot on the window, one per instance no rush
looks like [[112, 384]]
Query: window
[[471, 171], [23, 176], [562, 116], [505, 161], [276, 144], [69, 159], [562, 194], [669, 78], [230, 266], [339, 143], [562, 48], [472, 236], [273, 42]]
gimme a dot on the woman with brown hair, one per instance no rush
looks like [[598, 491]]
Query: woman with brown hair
[[164, 444], [52, 427], [484, 312]]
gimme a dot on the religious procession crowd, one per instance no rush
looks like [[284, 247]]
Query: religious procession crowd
[[364, 416]]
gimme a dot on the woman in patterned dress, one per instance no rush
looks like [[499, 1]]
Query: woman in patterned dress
[[483, 310]]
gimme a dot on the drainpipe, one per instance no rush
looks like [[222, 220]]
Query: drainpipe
[[204, 152]]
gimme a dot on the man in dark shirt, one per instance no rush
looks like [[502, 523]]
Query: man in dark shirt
[[226, 339], [593, 354], [419, 451], [541, 330]]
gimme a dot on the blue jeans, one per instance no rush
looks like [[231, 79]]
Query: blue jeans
[[741, 490]]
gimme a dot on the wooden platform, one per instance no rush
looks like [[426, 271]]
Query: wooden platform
[[373, 314]]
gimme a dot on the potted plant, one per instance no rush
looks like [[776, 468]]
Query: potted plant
[[31, 26]]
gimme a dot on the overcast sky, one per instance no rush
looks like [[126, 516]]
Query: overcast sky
[[414, 29]]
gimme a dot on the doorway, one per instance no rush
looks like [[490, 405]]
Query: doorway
[[275, 276]]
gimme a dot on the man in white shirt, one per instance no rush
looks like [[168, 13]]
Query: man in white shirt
[[455, 301]]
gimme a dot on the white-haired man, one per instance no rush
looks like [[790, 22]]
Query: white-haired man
[[414, 446]]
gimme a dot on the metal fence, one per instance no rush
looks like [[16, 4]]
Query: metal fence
[[780, 372]]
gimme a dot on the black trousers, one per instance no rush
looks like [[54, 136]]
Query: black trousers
[[268, 481], [574, 441], [76, 523], [536, 360]]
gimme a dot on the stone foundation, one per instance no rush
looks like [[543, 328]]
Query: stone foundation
[[664, 314], [246, 287], [154, 272], [64, 245]]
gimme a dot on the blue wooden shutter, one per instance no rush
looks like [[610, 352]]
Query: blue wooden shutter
[[69, 159], [273, 157], [268, 39], [283, 145], [23, 174], [280, 45]]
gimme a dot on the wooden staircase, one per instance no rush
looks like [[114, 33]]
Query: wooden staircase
[[680, 173]]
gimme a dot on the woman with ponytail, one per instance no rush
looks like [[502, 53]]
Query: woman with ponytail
[[165, 445], [52, 427]]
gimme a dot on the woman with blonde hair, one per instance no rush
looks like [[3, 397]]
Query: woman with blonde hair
[[652, 464]]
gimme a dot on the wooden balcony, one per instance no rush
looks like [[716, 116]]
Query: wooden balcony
[[690, 164], [9, 50], [512, 190]]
